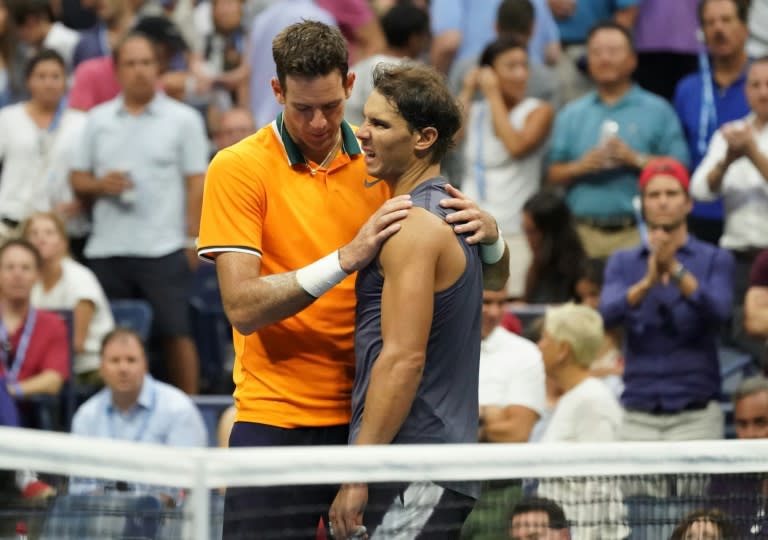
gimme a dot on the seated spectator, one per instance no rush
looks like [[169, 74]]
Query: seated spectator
[[37, 138], [34, 348], [511, 378], [406, 29], [587, 411], [235, 125], [710, 524], [557, 253], [601, 141], [609, 365], [538, 518], [747, 510], [735, 169], [11, 60], [67, 284], [504, 149], [133, 406], [219, 67], [671, 296], [38, 29], [116, 17]]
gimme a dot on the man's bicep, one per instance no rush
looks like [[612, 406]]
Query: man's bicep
[[409, 262]]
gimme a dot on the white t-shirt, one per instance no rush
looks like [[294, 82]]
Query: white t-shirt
[[79, 283], [36, 162], [499, 182], [511, 372], [589, 412], [63, 40]]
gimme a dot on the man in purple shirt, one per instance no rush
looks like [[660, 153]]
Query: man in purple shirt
[[671, 295]]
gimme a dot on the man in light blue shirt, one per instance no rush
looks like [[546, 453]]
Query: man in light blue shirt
[[602, 140], [133, 406], [141, 163]]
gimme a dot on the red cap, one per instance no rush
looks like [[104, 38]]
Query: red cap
[[668, 166]]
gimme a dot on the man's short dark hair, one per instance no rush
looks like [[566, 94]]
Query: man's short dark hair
[[117, 332], [742, 9], [22, 10], [24, 244], [612, 25], [421, 97], [515, 17], [402, 22], [130, 36], [43, 55], [310, 49], [557, 519]]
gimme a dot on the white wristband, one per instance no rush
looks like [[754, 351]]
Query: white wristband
[[322, 275], [492, 253]]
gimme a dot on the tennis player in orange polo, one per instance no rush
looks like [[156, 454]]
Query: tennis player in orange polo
[[289, 215]]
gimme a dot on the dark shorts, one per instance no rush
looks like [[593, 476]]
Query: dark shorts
[[164, 282], [279, 512], [418, 511]]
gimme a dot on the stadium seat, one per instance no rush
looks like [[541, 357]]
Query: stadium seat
[[134, 314], [91, 517], [211, 408]]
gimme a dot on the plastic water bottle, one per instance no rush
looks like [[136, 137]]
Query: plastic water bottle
[[608, 130]]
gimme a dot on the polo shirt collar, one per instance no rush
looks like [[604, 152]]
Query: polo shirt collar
[[349, 143], [152, 107], [687, 247], [145, 395], [628, 97]]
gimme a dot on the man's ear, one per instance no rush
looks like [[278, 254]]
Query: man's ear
[[278, 91], [350, 83], [425, 138]]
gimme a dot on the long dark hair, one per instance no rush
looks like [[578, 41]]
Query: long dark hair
[[561, 254], [713, 515]]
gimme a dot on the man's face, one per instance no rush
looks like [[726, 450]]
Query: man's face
[[750, 416], [387, 140], [665, 203], [123, 365], [533, 526], [610, 57], [313, 109], [32, 31], [235, 126], [494, 303], [724, 33], [757, 89], [137, 69], [18, 273]]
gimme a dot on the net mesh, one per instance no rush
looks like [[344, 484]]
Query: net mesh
[[607, 491]]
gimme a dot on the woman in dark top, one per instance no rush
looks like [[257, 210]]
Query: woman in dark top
[[558, 256]]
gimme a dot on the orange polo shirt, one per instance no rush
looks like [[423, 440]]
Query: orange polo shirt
[[261, 198]]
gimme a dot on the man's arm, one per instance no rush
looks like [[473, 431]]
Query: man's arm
[[88, 187], [47, 381], [756, 311], [407, 303], [252, 301], [512, 423], [194, 187]]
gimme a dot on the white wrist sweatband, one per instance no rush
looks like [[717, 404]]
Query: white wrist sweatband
[[492, 253], [322, 275]]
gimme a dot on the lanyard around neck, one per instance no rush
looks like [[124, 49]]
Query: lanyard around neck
[[14, 368]]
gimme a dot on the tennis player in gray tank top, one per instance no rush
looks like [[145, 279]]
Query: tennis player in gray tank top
[[418, 318]]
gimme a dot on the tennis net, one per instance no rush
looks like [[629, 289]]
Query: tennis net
[[607, 491]]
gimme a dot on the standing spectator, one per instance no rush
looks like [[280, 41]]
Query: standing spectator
[[11, 60], [557, 253], [265, 27], [671, 296], [234, 126], [601, 141], [359, 24], [505, 145], [141, 163], [115, 19], [133, 406], [575, 20], [35, 349], [406, 29], [39, 30], [736, 170], [706, 100], [665, 39], [37, 138], [66, 284]]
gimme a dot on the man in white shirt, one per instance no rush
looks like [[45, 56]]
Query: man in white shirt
[[38, 29], [736, 168], [511, 391]]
